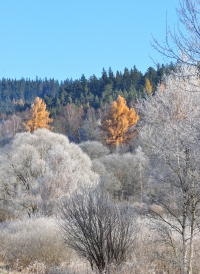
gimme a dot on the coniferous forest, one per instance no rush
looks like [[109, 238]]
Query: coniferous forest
[[17, 95]]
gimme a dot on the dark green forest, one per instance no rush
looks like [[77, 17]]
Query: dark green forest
[[17, 95]]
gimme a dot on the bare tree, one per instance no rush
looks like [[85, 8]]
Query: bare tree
[[69, 122], [183, 44], [90, 129], [97, 229], [9, 128], [171, 139]]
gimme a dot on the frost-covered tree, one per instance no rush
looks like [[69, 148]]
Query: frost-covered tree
[[37, 170], [108, 179], [184, 39], [90, 129], [128, 171], [94, 149], [170, 134], [71, 119], [9, 128]]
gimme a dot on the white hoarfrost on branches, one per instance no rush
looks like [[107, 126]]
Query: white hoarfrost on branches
[[27, 241], [94, 149], [127, 171], [170, 134], [39, 169]]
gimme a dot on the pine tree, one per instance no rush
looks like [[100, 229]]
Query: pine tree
[[118, 122], [39, 116]]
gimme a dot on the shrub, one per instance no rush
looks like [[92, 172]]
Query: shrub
[[97, 229], [94, 149], [25, 242]]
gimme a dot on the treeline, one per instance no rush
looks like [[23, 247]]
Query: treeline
[[17, 95]]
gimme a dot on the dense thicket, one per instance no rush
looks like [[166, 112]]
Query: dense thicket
[[17, 95]]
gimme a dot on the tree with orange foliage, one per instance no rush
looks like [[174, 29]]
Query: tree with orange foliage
[[118, 122], [39, 116], [148, 87]]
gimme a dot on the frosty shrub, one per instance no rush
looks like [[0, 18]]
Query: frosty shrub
[[5, 214], [128, 170], [111, 183], [39, 169], [37, 267], [25, 242], [77, 266], [94, 149]]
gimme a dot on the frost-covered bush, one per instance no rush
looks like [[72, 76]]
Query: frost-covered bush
[[25, 242], [110, 182], [38, 170], [94, 149], [127, 169], [77, 266], [37, 267]]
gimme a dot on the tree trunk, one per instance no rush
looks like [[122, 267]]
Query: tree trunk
[[184, 255], [193, 219]]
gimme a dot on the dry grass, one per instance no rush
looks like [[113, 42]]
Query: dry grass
[[35, 247], [24, 242]]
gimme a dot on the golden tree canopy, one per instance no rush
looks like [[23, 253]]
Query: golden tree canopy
[[39, 116], [118, 122], [148, 87]]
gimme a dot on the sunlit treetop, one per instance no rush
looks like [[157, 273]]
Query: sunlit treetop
[[39, 116], [118, 122]]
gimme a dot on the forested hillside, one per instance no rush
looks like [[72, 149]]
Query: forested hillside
[[17, 95]]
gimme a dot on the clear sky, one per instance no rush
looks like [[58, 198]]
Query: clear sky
[[67, 38]]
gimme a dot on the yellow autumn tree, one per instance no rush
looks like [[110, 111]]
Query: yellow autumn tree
[[148, 87], [118, 122], [39, 116]]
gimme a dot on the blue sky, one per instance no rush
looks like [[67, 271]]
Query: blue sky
[[67, 38]]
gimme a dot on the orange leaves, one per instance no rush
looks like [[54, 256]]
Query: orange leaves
[[148, 87], [39, 116], [118, 122]]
